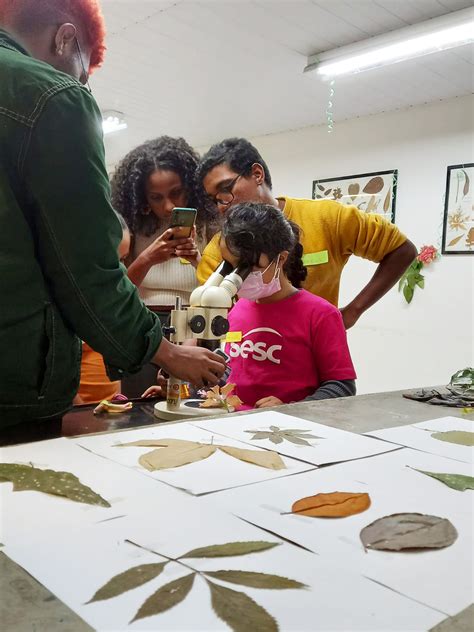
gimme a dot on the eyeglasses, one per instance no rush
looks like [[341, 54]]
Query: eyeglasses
[[225, 197], [86, 74]]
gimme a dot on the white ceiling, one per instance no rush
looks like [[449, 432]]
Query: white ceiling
[[208, 69]]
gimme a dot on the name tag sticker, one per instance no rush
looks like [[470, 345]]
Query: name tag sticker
[[315, 258], [233, 336]]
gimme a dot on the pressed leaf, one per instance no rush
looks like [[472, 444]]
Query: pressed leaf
[[166, 458], [327, 192], [320, 187], [408, 531], [231, 549], [454, 241], [29, 478], [388, 199], [459, 437], [353, 190], [374, 185], [128, 580], [262, 458], [156, 443], [465, 190], [460, 482], [333, 505], [371, 205], [239, 611], [255, 580], [166, 597], [278, 435]]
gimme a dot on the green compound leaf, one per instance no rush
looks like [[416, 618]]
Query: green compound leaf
[[459, 437], [255, 580], [230, 549], [459, 482], [278, 435], [166, 597], [239, 611], [128, 580], [29, 478]]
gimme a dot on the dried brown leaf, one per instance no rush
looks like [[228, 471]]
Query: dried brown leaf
[[128, 580], [388, 199], [255, 580], [374, 185], [151, 443], [239, 611], [166, 597], [231, 549], [353, 190], [333, 505], [454, 241], [263, 458], [175, 456], [408, 531], [371, 205]]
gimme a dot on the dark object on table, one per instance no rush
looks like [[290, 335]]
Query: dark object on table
[[431, 396]]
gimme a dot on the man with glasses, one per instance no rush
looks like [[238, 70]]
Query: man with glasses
[[60, 276], [233, 172]]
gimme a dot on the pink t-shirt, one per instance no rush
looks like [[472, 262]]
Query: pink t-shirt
[[288, 348]]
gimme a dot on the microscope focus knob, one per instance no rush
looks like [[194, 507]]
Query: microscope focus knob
[[197, 324], [219, 326]]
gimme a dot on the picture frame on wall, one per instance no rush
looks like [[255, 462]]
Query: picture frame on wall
[[370, 192], [458, 220]]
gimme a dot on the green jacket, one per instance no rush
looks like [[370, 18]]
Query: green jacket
[[60, 277]]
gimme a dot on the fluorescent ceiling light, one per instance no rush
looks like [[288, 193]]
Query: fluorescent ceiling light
[[448, 31], [113, 122]]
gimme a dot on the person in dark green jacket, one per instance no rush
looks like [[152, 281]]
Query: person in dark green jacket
[[60, 277]]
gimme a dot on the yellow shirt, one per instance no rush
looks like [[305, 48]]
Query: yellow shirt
[[330, 231]]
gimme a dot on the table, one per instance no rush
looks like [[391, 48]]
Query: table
[[26, 605]]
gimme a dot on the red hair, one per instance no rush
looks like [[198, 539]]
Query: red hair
[[33, 13]]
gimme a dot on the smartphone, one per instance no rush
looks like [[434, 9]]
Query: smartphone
[[183, 220]]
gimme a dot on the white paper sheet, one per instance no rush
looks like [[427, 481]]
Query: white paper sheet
[[418, 436], [22, 513], [334, 445], [219, 471], [67, 564], [441, 579]]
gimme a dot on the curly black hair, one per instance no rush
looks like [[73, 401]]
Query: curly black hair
[[129, 180], [252, 229], [238, 153]]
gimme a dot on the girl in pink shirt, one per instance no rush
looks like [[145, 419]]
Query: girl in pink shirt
[[291, 344]]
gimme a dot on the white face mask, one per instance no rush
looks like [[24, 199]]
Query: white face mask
[[254, 287]]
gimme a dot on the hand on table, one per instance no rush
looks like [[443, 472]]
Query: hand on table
[[266, 402]]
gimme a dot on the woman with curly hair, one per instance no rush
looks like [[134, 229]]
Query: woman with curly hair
[[151, 180]]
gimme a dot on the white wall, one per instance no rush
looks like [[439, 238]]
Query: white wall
[[396, 346]]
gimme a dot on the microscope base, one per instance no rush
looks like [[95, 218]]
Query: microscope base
[[185, 412]]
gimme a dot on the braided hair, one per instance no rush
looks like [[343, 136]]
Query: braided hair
[[130, 177], [252, 229]]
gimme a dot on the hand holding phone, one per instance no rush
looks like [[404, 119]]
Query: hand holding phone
[[182, 222]]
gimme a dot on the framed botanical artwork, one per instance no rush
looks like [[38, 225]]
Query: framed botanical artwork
[[370, 192], [458, 223]]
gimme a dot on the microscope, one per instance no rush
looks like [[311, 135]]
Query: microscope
[[206, 321]]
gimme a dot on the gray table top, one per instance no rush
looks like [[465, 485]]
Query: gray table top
[[26, 605]]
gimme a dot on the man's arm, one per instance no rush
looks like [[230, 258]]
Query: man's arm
[[371, 237], [77, 234], [388, 272]]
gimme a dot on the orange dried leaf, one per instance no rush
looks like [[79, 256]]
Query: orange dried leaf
[[333, 505]]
